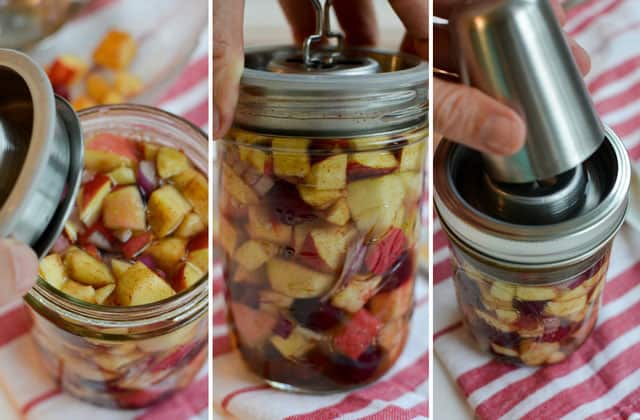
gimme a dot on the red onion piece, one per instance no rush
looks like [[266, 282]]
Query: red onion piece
[[147, 176], [148, 260], [87, 176], [99, 240]]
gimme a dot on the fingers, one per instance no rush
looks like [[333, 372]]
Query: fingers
[[18, 270], [228, 61], [414, 14], [580, 55], [357, 19], [468, 116]]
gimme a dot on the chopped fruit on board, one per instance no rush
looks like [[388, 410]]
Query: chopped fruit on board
[[115, 51], [127, 250]]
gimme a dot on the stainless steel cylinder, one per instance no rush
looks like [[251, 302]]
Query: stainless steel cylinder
[[40, 145], [516, 52]]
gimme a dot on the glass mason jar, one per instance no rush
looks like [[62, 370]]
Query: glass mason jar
[[126, 357], [319, 219], [530, 292]]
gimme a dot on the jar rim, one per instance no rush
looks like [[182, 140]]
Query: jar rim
[[186, 305]]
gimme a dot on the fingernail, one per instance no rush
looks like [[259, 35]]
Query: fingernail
[[501, 135]]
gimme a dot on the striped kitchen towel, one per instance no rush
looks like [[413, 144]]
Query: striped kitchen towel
[[26, 392], [602, 379]]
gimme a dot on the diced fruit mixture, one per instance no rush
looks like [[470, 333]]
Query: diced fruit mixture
[[122, 373], [137, 235], [319, 241], [529, 324], [106, 80]]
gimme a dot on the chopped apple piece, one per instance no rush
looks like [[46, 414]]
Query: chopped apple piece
[[196, 192], [136, 245], [106, 152], [296, 281], [115, 51], [167, 209], [257, 158], [412, 182], [79, 291], [123, 176], [367, 164], [190, 226], [71, 230], [139, 286], [252, 254], [103, 293], [338, 213], [329, 173], [127, 84], [81, 102], [112, 97], [412, 156], [52, 270], [171, 162], [535, 293], [119, 267], [294, 346], [502, 291], [374, 202], [565, 308], [320, 199], [358, 291], [495, 322], [392, 337], [186, 276], [235, 186], [268, 297], [150, 151], [66, 70], [324, 249], [92, 197], [263, 226], [86, 269], [290, 157], [394, 304], [228, 236], [504, 350], [97, 87], [535, 353], [168, 252], [199, 251], [123, 209], [253, 327]]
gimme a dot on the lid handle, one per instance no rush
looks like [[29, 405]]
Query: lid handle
[[322, 57]]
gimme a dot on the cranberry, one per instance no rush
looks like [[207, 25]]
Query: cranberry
[[287, 206], [283, 327], [347, 370], [400, 273], [503, 339], [531, 308], [316, 315]]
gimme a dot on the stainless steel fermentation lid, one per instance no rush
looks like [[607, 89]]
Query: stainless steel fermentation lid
[[461, 201], [40, 143], [321, 90], [516, 52]]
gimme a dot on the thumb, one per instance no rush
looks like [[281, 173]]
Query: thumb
[[468, 116], [228, 61], [18, 269]]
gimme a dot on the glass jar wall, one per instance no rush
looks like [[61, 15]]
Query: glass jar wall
[[319, 238]]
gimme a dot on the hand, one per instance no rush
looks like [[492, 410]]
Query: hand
[[470, 117], [18, 270], [356, 17]]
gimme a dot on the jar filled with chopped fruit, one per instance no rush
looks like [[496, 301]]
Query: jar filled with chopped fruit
[[530, 261], [120, 311], [319, 206]]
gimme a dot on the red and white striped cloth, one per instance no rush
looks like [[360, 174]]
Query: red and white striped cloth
[[602, 379], [26, 392], [399, 395]]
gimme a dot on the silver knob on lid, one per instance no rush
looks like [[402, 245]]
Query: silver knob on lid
[[515, 51]]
